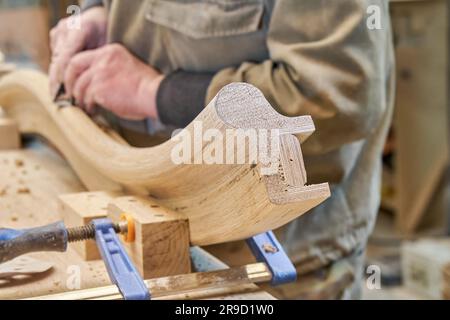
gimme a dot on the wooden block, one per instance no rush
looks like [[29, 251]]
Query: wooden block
[[161, 247], [9, 134], [79, 209]]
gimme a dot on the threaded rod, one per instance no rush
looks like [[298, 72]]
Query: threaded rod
[[88, 232]]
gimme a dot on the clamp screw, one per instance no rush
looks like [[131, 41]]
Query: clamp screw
[[88, 232]]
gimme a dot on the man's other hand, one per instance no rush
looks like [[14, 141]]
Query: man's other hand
[[111, 77], [65, 42]]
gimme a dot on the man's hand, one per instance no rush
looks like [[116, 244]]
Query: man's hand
[[66, 42], [114, 79]]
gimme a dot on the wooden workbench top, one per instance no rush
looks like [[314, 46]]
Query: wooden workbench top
[[30, 181]]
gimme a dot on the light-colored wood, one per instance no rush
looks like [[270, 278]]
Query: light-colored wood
[[23, 266], [180, 285], [161, 247], [9, 134], [30, 182], [46, 176], [79, 209], [421, 119], [222, 202], [294, 171], [5, 67]]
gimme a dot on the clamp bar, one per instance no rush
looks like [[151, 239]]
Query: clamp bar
[[118, 264], [266, 248]]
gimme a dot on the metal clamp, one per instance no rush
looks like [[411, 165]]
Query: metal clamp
[[121, 270], [266, 248]]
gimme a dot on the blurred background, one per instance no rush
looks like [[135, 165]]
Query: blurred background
[[411, 242]]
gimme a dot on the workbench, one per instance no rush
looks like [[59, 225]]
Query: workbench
[[31, 179]]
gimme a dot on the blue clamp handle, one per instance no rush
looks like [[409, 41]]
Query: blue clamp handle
[[266, 248], [9, 234], [120, 268]]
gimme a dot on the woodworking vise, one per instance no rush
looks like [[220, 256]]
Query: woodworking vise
[[55, 237]]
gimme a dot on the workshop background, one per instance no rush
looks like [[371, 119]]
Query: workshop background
[[411, 242]]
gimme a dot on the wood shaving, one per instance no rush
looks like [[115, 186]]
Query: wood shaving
[[19, 163], [23, 191]]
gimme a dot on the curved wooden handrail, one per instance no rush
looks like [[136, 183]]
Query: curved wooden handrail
[[222, 202]]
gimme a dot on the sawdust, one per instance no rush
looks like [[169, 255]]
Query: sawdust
[[14, 219], [3, 192], [23, 191], [19, 163]]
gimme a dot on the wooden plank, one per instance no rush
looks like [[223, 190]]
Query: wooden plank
[[181, 286], [222, 202], [9, 134], [161, 246]]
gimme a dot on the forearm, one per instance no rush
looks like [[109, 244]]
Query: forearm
[[181, 97]]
